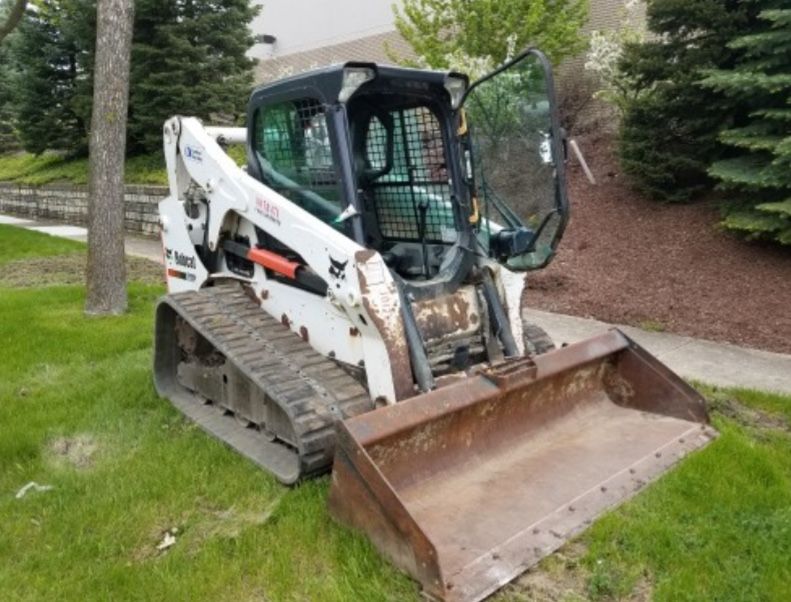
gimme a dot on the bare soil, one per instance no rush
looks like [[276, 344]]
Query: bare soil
[[748, 417], [558, 578], [77, 451], [628, 260], [69, 269], [202, 524], [563, 577]]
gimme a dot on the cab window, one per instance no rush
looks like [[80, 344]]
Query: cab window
[[294, 151]]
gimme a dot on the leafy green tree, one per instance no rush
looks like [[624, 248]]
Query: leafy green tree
[[443, 31], [758, 174], [669, 131]]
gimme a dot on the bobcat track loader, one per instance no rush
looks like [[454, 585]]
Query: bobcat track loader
[[353, 300]]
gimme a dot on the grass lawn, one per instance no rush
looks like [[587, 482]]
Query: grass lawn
[[79, 412], [49, 168], [17, 244]]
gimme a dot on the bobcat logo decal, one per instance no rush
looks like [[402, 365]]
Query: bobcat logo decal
[[338, 268]]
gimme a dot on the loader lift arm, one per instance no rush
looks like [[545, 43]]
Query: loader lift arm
[[228, 194]]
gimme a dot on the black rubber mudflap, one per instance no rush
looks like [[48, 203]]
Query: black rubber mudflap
[[312, 391]]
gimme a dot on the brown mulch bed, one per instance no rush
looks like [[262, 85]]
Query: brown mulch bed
[[628, 260]]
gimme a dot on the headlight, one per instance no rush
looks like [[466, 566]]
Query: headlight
[[353, 78], [456, 87]]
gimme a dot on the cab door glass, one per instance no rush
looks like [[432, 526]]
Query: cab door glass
[[515, 156]]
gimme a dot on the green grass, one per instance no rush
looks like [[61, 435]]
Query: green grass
[[50, 168], [42, 169], [652, 325], [16, 243], [94, 536], [717, 528]]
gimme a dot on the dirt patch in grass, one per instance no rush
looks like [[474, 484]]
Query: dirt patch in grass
[[69, 270], [78, 451], [748, 417], [628, 260], [559, 578], [230, 523], [564, 577], [194, 528]]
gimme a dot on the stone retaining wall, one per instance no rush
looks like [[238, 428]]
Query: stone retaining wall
[[68, 203]]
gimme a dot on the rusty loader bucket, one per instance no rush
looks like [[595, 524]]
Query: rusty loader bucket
[[467, 486]]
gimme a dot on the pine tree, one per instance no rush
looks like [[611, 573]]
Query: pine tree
[[188, 58], [668, 135], [9, 11], [758, 175], [49, 79], [11, 14], [8, 136]]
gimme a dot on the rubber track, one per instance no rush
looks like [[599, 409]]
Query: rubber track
[[313, 391]]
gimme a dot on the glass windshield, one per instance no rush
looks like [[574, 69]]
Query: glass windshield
[[293, 148]]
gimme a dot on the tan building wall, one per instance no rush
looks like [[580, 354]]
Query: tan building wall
[[604, 14], [370, 48], [608, 14]]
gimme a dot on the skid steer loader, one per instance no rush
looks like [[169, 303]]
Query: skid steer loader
[[353, 300]]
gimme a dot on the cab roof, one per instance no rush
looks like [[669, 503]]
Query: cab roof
[[326, 82]]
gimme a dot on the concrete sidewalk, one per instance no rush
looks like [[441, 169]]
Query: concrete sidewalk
[[706, 361], [136, 246]]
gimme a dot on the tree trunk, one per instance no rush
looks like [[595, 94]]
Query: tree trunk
[[106, 273], [13, 18]]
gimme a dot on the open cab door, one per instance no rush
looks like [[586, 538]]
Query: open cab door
[[515, 162]]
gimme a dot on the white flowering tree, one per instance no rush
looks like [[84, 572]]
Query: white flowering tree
[[605, 51]]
